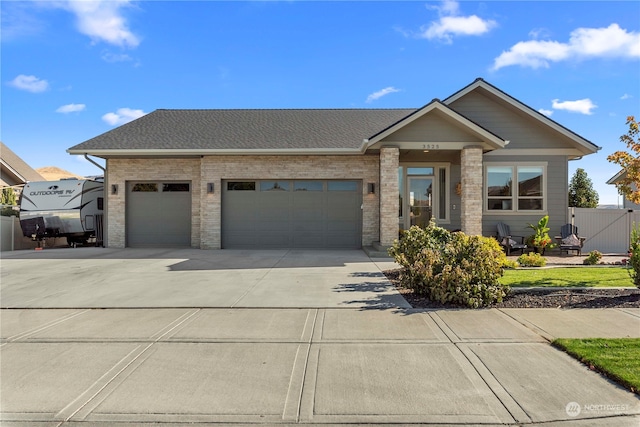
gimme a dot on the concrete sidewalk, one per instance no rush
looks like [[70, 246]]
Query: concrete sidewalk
[[301, 337], [287, 366]]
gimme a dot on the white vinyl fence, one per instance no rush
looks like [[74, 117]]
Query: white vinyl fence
[[11, 238], [606, 230]]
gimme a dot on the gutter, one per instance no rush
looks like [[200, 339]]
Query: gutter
[[86, 156]]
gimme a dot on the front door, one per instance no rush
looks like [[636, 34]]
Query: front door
[[420, 200]]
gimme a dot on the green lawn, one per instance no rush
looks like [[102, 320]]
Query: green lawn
[[568, 276], [615, 358]]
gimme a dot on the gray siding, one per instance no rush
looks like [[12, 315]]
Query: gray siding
[[432, 128], [520, 129]]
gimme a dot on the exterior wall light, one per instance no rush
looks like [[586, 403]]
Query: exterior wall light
[[114, 188], [371, 188], [210, 188]]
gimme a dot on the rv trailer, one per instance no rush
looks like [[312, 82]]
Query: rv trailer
[[68, 208]]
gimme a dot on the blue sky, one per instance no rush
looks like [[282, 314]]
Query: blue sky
[[72, 70]]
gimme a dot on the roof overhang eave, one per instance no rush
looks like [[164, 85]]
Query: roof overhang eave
[[109, 153]]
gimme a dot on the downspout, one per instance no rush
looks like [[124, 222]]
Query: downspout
[[86, 156], [105, 242]]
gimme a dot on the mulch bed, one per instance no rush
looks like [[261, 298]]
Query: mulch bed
[[539, 297]]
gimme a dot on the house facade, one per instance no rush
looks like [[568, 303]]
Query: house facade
[[626, 203], [15, 172], [349, 178]]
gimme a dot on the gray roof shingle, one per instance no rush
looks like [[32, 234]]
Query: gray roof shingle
[[247, 130]]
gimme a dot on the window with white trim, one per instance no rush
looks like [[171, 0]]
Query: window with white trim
[[515, 188]]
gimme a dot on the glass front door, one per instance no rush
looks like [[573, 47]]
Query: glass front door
[[420, 200]]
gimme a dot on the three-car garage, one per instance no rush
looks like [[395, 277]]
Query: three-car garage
[[255, 214]]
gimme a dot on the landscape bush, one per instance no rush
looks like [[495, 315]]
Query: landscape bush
[[532, 259], [593, 258], [451, 268], [510, 264]]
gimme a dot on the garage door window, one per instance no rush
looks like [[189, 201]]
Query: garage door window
[[307, 186], [343, 186], [175, 187], [274, 186], [145, 187], [241, 186]]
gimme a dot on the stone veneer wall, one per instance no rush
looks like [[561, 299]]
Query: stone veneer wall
[[389, 191], [206, 208], [218, 168], [122, 170], [471, 202]]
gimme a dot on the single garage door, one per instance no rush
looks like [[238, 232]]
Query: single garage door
[[158, 214], [292, 214]]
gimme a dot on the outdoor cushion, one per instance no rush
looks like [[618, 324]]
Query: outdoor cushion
[[571, 240]]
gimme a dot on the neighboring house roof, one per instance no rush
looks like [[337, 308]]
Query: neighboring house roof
[[220, 131], [584, 145], [14, 170], [617, 177]]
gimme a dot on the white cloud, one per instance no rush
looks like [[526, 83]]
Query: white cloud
[[582, 106], [122, 116], [451, 24], [71, 108], [29, 83], [547, 113], [116, 57], [626, 96], [102, 20], [584, 43], [379, 94]]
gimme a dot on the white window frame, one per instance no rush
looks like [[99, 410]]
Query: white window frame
[[515, 196]]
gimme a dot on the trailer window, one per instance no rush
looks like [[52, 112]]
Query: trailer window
[[175, 186], [100, 203], [145, 187]]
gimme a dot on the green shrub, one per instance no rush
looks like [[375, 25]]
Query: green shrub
[[407, 250], [532, 260], [634, 255], [510, 264], [593, 258], [451, 268]]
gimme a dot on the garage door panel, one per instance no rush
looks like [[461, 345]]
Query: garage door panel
[[158, 214], [297, 214]]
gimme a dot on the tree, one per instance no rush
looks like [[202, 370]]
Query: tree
[[581, 192], [8, 199], [629, 182]]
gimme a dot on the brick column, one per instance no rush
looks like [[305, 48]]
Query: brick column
[[471, 202], [389, 192]]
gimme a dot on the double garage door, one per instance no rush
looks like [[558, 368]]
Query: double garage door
[[291, 214]]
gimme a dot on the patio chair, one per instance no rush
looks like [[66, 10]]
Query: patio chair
[[506, 239], [570, 240]]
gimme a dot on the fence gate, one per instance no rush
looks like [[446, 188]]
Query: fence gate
[[606, 230]]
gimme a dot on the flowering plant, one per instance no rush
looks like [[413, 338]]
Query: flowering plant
[[540, 240]]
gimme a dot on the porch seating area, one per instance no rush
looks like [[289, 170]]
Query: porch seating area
[[507, 240], [570, 240]]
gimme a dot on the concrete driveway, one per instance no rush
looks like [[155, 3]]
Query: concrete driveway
[[104, 278], [278, 337]]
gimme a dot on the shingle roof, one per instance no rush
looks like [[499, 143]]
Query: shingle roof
[[16, 167], [247, 130]]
